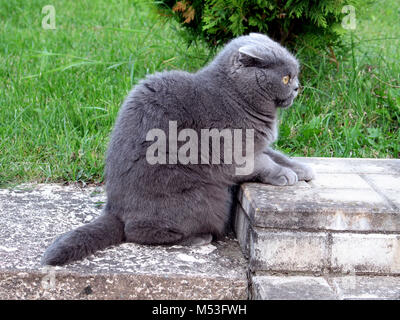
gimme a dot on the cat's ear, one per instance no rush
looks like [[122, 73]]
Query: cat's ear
[[249, 56]]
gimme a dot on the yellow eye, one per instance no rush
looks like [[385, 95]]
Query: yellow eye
[[286, 79]]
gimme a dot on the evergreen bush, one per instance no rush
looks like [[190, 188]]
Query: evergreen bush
[[314, 23]]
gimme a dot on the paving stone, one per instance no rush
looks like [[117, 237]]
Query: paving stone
[[340, 181], [367, 253], [367, 287], [393, 196], [291, 288], [295, 287], [385, 181], [33, 215], [388, 186], [353, 165], [313, 252], [288, 251]]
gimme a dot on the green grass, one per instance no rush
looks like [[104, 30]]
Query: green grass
[[353, 111], [60, 90]]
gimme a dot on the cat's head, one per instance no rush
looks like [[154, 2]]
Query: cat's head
[[263, 68]]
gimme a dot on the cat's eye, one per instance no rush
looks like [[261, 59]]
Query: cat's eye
[[286, 79]]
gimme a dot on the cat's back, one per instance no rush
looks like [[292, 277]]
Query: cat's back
[[162, 93], [151, 104]]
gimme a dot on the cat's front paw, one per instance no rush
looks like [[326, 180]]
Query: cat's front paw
[[285, 177], [304, 172]]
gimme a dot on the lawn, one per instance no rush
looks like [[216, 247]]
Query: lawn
[[60, 90]]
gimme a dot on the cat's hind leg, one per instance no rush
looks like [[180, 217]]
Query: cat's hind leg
[[152, 233], [155, 233]]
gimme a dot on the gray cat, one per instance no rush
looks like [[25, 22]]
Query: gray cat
[[166, 204]]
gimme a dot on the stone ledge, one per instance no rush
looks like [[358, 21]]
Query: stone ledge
[[33, 215], [346, 220], [347, 195], [317, 252]]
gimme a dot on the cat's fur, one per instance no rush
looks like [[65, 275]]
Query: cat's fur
[[190, 204]]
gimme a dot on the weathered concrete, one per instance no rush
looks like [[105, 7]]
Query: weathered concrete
[[366, 287], [288, 251], [291, 288], [243, 230], [348, 194], [337, 237], [347, 219], [335, 209], [33, 215], [303, 241], [367, 253], [315, 252], [300, 287]]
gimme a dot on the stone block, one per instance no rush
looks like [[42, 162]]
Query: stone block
[[319, 209], [367, 287], [347, 195], [287, 251], [242, 230], [366, 253], [291, 288]]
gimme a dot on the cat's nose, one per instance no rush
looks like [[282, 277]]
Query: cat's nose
[[296, 89]]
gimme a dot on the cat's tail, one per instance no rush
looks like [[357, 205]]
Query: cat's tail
[[105, 231]]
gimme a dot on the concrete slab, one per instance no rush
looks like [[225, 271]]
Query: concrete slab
[[351, 200], [291, 288], [33, 215]]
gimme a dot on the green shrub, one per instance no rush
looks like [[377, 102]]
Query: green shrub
[[316, 23]]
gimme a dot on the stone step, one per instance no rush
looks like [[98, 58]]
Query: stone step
[[300, 287], [337, 237], [346, 195], [31, 216], [346, 220]]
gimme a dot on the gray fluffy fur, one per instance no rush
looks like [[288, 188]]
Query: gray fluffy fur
[[190, 204]]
